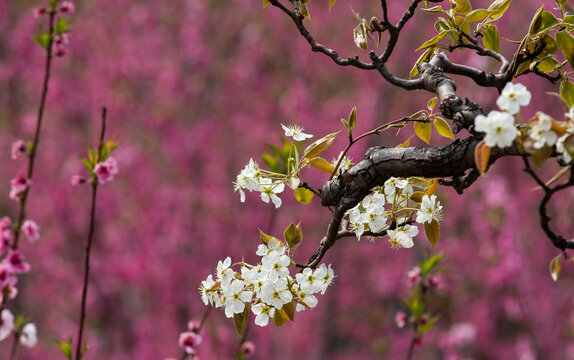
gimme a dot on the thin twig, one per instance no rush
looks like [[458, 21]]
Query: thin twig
[[89, 244]]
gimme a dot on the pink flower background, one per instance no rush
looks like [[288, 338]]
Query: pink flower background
[[193, 90]]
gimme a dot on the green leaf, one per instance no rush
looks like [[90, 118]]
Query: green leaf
[[303, 9], [555, 267], [319, 146], [426, 55], [432, 103], [293, 235], [461, 7], [566, 44], [240, 320], [280, 317], [498, 8], [429, 264], [491, 38], [434, 10], [352, 118], [331, 3], [546, 64], [476, 15], [265, 238], [304, 196], [289, 310], [432, 41], [66, 347], [423, 130], [567, 92], [321, 164], [443, 128], [432, 231], [406, 143], [541, 21], [481, 156], [568, 20]]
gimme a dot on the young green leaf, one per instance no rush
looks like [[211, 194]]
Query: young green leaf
[[240, 320], [319, 146], [280, 317], [566, 44], [567, 92], [555, 267], [423, 130], [433, 40], [432, 103], [542, 20], [352, 118], [304, 196], [321, 164], [491, 38], [476, 15], [293, 235], [433, 232], [498, 8], [443, 128]]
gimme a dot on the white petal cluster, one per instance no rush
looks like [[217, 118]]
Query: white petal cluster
[[561, 148], [542, 132], [296, 132], [499, 128], [431, 209], [512, 97], [251, 178], [403, 236], [265, 287]]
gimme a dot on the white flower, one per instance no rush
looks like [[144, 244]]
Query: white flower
[[272, 245], [28, 338], [276, 293], [247, 179], [357, 221], [7, 324], [296, 132], [309, 282], [345, 165], [403, 236], [263, 313], [208, 297], [512, 97], [269, 191], [431, 209], [542, 132], [391, 184], [236, 296], [327, 278], [562, 149], [499, 128], [276, 265], [307, 298], [224, 273]]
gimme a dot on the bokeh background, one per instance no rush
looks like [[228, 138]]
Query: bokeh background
[[194, 88]]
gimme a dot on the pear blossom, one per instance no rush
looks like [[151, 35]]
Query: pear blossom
[[276, 265], [28, 337], [263, 312], [276, 293], [308, 281], [272, 245], [224, 273], [248, 179], [512, 97], [6, 324], [208, 297], [403, 236], [542, 132], [357, 221], [236, 296], [270, 190], [326, 274], [307, 298], [296, 132], [430, 210], [561, 148], [499, 128]]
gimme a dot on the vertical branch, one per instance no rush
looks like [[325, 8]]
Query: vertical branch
[[34, 147], [89, 244]]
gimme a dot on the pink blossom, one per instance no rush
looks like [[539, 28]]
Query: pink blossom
[[18, 186], [31, 230], [6, 234], [7, 278], [59, 50], [18, 148], [67, 7], [248, 348], [401, 319], [188, 341], [16, 263], [106, 170], [7, 324], [414, 276]]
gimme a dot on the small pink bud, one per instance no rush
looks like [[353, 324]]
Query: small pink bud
[[67, 7], [414, 276], [18, 148], [77, 180], [38, 12], [248, 348], [59, 50], [17, 186], [188, 341], [401, 319], [194, 326]]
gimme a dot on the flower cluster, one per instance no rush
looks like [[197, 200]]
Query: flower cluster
[[266, 287], [59, 38], [391, 204], [252, 178], [499, 126]]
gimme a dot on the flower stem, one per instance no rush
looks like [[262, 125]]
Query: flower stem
[[34, 147], [89, 245]]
